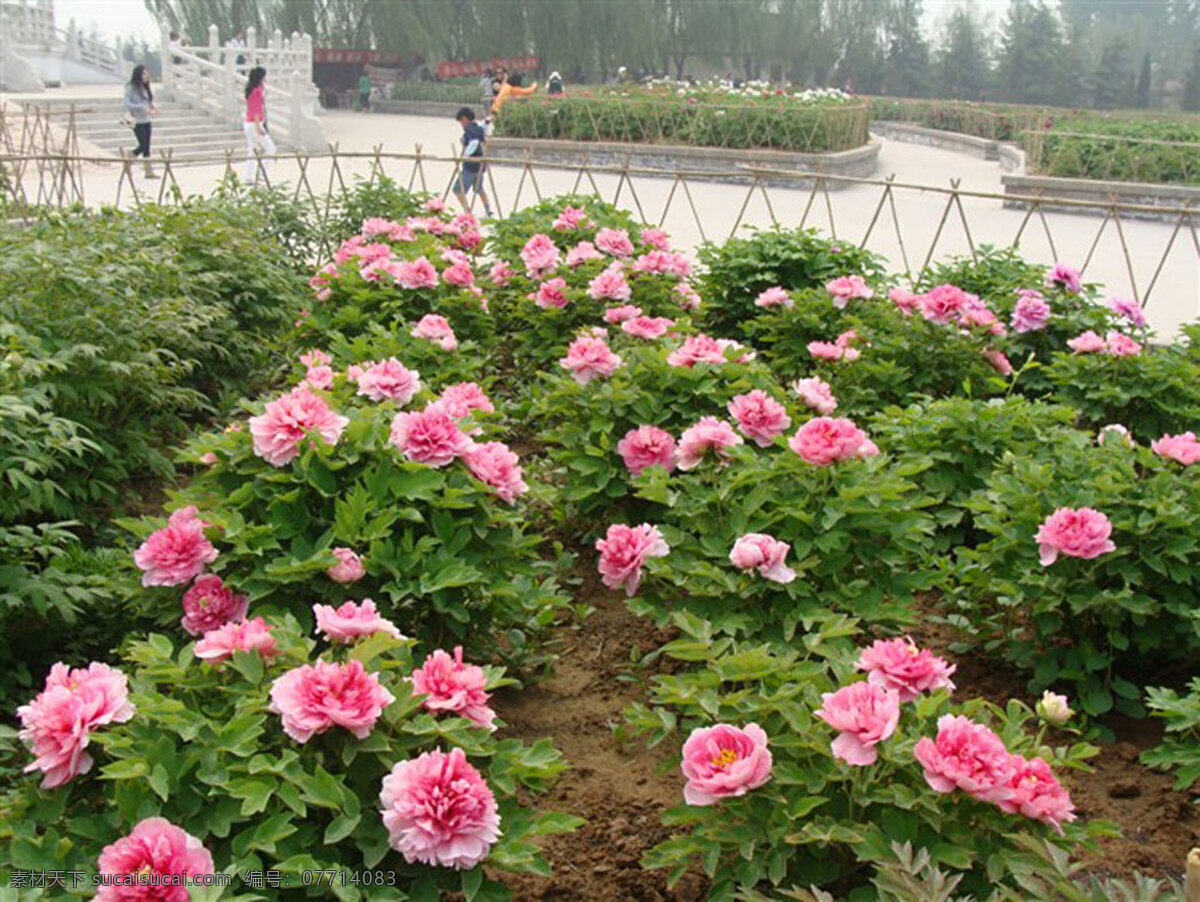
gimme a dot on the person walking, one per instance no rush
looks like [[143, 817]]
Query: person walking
[[364, 92], [139, 102], [471, 176], [258, 138]]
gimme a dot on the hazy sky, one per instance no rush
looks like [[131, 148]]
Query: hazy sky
[[124, 17]]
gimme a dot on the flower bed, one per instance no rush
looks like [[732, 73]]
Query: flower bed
[[807, 122], [781, 466]]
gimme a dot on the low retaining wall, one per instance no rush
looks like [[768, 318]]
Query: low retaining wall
[[1170, 200], [439, 108], [718, 164], [982, 148]]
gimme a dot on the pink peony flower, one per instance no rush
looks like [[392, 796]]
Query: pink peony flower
[[155, 848], [624, 550], [1075, 532], [56, 724], [1031, 313], [460, 274], [1119, 345], [287, 421], [350, 622], [647, 446], [435, 205], [759, 416], [551, 293], [614, 242], [648, 327], [696, 441], [904, 300], [387, 379], [317, 697], [348, 569], [177, 553], [688, 298], [724, 761], [826, 350], [1130, 310], [703, 349], [864, 714], [438, 810], [419, 273], [998, 361], [846, 288], [540, 255], [319, 377], [1065, 277], [823, 440], [582, 253], [460, 399], [967, 756], [315, 357], [1086, 343], [500, 273], [244, 635], [1183, 448], [209, 603], [437, 329], [764, 553], [589, 358], [656, 238], [772, 297], [1037, 794], [377, 225], [496, 466], [943, 304], [451, 685], [615, 315], [816, 393], [571, 218], [610, 285], [430, 437], [975, 313], [898, 664]]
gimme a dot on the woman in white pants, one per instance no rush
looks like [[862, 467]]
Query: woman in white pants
[[258, 139]]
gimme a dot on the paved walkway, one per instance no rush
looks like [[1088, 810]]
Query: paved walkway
[[905, 237]]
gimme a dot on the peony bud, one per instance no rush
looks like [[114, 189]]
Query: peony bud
[[1053, 709]]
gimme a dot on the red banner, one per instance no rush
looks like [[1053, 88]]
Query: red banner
[[478, 67], [374, 57]]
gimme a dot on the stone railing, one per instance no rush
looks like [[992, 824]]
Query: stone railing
[[212, 78], [31, 27]]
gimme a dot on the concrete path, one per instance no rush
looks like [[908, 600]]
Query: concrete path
[[906, 237]]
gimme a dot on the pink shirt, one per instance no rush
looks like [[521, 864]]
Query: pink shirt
[[255, 108]]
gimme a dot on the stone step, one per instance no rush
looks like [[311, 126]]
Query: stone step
[[197, 132]]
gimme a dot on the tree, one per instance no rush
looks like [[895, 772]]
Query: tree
[[1030, 66], [907, 69], [1113, 79], [1142, 96], [964, 72], [1191, 90]]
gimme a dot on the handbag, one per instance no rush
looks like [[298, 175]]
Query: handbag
[[127, 120]]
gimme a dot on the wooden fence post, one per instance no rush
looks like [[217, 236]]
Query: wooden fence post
[[1192, 879]]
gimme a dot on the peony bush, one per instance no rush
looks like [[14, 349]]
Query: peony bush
[[338, 764], [800, 772]]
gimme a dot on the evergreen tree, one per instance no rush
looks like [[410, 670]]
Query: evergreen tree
[[1031, 55], [1142, 97], [1113, 78], [907, 68], [1191, 90], [964, 71]]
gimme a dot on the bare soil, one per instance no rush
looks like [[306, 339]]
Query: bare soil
[[622, 789]]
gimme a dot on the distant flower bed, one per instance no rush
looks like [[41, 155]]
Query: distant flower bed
[[710, 114], [1121, 146]]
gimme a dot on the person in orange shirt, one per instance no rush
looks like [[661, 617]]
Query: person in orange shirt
[[510, 86]]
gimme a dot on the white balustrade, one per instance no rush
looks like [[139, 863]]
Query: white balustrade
[[212, 77]]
